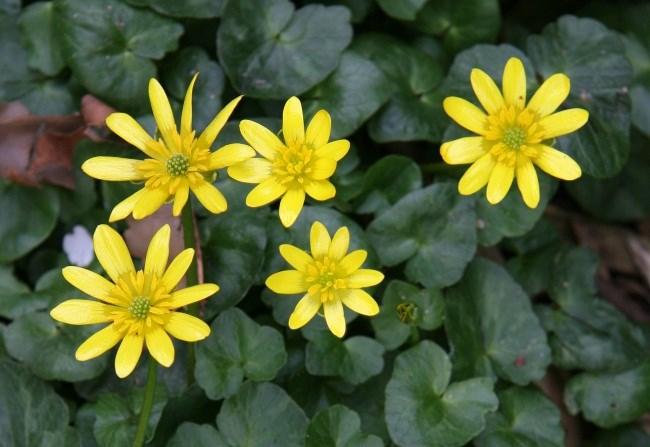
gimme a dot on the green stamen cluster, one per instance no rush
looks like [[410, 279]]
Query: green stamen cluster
[[178, 165], [139, 307], [514, 137], [407, 312]]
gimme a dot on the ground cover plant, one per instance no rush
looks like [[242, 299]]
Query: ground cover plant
[[345, 223]]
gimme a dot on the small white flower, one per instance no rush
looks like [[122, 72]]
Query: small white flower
[[78, 246]]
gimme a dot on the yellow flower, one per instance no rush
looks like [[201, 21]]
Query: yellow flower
[[140, 305], [330, 276], [513, 136], [177, 163], [301, 164]]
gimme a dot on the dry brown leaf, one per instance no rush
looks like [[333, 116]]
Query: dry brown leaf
[[140, 232]]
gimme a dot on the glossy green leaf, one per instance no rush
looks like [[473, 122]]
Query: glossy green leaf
[[525, 418], [238, 348], [594, 59], [351, 94], [403, 10], [196, 9], [486, 340], [110, 48], [195, 435], [42, 38], [625, 436], [338, 426], [270, 50], [433, 229], [424, 409], [404, 308], [262, 415], [22, 228]]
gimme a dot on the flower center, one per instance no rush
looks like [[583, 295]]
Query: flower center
[[322, 278], [139, 307], [293, 164], [407, 312], [178, 165], [514, 137]]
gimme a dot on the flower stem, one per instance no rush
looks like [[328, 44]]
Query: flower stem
[[191, 277], [147, 403]]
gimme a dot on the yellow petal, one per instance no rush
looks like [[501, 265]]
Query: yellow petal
[[291, 205], [113, 169], [477, 176], [192, 294], [265, 193], [334, 317], [149, 202], [186, 114], [500, 182], [265, 142], [463, 150], [125, 207], [287, 282], [340, 243], [186, 327], [296, 257], [159, 345], [319, 128], [527, 181], [210, 197], [562, 123], [322, 168], [364, 278], [99, 343], [335, 150], [550, 95], [80, 312], [162, 113], [230, 154], [128, 354], [466, 114], [352, 261], [320, 189], [131, 132], [90, 283], [319, 240], [158, 252], [177, 268], [486, 91], [514, 83], [111, 252], [253, 170], [293, 126], [305, 310], [556, 163], [180, 198], [212, 131], [359, 301]]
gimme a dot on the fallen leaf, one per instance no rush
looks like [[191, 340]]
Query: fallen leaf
[[140, 232]]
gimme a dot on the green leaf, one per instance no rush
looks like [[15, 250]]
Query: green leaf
[[238, 348], [196, 9], [403, 10], [42, 38], [486, 340], [433, 229], [355, 359], [262, 415], [525, 418], [48, 348], [22, 228], [405, 307], [423, 409], [233, 255], [414, 111], [531, 270], [10, 7], [594, 59], [178, 72], [351, 94], [195, 435], [338, 426], [117, 416], [625, 436], [511, 217], [270, 50], [460, 24], [110, 46], [387, 181], [31, 413], [610, 399]]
